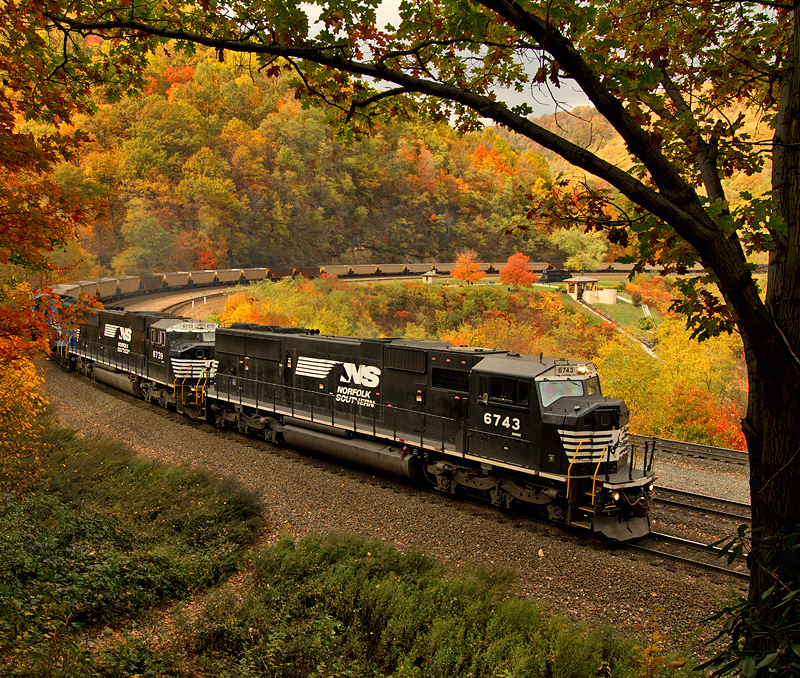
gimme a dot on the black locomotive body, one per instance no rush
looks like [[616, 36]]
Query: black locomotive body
[[154, 356], [511, 429]]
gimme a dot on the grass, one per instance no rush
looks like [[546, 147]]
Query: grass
[[339, 605], [99, 538], [624, 313]]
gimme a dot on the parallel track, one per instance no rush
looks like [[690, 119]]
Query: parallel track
[[655, 543], [686, 552], [716, 506], [693, 450], [662, 444]]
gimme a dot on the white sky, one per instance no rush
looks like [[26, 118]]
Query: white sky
[[569, 95]]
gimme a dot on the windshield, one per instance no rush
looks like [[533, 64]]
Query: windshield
[[550, 391], [178, 337]]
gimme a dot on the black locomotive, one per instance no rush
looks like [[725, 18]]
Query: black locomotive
[[508, 428]]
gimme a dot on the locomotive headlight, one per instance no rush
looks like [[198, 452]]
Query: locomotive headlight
[[651, 487], [616, 496], [583, 369]]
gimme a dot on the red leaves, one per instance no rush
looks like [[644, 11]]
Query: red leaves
[[28, 325], [653, 291], [516, 272]]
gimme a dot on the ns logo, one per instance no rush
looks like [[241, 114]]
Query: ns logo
[[361, 375]]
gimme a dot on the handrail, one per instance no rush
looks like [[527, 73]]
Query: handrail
[[200, 391], [569, 468], [301, 402], [596, 471]]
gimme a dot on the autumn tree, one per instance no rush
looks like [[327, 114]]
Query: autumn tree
[[467, 266], [516, 272], [667, 77], [584, 250]]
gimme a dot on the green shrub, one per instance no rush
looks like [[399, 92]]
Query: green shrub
[[105, 535], [340, 605]]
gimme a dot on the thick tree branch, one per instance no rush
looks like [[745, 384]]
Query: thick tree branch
[[675, 202], [664, 174], [706, 154], [629, 186]]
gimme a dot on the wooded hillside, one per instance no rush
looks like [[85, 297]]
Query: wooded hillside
[[221, 166]]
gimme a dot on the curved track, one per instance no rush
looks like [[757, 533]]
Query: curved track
[[662, 546]]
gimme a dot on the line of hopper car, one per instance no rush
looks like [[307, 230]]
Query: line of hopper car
[[120, 287], [508, 428]]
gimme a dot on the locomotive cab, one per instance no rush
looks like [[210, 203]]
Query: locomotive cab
[[180, 357], [549, 417]]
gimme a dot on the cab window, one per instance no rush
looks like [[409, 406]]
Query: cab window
[[593, 386], [550, 391], [508, 390], [157, 337], [178, 337]]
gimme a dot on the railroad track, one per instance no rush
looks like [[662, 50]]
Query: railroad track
[[691, 553], [660, 546], [701, 503], [692, 450], [177, 306]]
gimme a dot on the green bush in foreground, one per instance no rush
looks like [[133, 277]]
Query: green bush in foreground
[[343, 606], [103, 535]]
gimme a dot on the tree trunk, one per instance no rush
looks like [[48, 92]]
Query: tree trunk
[[772, 424]]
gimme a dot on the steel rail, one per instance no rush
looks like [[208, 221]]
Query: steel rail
[[693, 449], [691, 545], [683, 499]]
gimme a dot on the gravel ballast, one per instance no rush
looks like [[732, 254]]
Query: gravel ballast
[[580, 577]]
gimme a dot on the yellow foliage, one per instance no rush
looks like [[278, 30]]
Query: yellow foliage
[[694, 391], [300, 303], [21, 402], [239, 308]]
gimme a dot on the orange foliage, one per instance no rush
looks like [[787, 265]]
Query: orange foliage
[[239, 308], [466, 267], [516, 272], [27, 328], [491, 160], [654, 292], [697, 415], [204, 256], [177, 75], [242, 308]]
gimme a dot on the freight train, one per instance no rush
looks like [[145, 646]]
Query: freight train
[[510, 429], [109, 289]]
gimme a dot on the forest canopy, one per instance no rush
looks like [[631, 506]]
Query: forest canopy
[[216, 165]]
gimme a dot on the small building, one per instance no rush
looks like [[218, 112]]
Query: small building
[[430, 277], [585, 288]]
